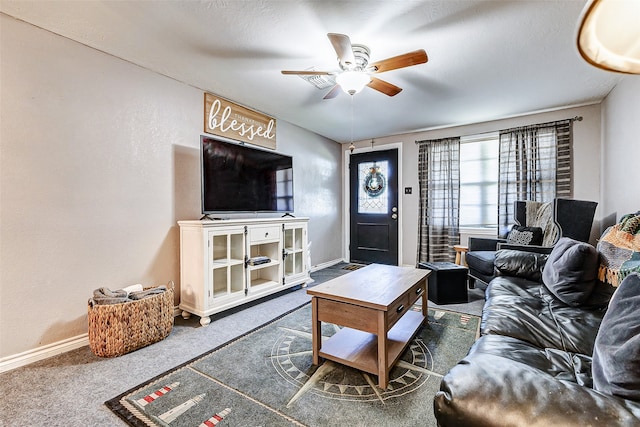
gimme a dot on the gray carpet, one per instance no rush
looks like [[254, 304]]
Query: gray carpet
[[70, 389], [472, 306]]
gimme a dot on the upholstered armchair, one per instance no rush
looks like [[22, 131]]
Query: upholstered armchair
[[537, 228]]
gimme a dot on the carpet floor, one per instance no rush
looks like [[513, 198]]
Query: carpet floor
[[70, 389]]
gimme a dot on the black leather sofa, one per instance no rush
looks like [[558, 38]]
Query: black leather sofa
[[532, 365]]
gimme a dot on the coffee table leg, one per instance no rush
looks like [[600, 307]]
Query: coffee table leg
[[383, 353], [316, 331], [425, 307]]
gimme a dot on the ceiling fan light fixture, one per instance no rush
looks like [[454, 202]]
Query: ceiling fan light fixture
[[353, 82], [609, 35]]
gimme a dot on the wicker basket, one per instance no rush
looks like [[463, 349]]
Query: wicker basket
[[117, 329]]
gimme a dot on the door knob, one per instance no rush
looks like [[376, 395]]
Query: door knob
[[394, 216]]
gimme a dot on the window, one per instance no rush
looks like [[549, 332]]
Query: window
[[372, 197], [479, 180]]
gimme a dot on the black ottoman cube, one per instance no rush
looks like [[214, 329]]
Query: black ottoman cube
[[447, 282]]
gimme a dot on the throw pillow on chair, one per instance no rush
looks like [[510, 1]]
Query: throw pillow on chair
[[520, 235]]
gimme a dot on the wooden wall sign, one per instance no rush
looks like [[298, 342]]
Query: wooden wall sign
[[233, 121]]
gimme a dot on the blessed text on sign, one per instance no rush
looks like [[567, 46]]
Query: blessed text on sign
[[224, 118]]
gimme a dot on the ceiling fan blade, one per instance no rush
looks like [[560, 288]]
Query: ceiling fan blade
[[384, 87], [342, 45], [333, 92], [400, 61], [308, 73]]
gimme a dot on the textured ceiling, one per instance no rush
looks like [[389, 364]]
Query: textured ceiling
[[487, 59]]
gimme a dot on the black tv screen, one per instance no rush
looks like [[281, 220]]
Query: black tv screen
[[237, 178]]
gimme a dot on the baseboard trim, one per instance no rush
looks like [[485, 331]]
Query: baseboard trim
[[30, 356], [325, 264], [21, 359]]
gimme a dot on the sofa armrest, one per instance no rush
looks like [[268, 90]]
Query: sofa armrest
[[491, 391], [526, 248], [484, 244], [528, 265]]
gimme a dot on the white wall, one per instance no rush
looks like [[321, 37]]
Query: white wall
[[99, 159], [621, 150], [586, 149], [317, 188]]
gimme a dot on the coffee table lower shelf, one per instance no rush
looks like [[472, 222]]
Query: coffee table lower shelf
[[359, 349]]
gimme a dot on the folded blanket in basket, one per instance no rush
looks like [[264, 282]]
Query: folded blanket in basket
[[105, 295], [133, 288], [147, 293]]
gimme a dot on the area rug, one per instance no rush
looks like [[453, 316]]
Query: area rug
[[353, 267], [266, 378]]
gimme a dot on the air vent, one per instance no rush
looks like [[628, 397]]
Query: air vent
[[321, 82]]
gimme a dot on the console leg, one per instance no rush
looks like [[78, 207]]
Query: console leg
[[205, 320], [185, 314]]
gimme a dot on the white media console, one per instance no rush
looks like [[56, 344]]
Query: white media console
[[216, 262]]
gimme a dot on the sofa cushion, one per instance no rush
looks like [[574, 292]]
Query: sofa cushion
[[616, 355], [503, 381], [526, 310], [571, 270], [481, 261], [520, 235], [510, 262]]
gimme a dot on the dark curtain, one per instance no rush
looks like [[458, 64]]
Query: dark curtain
[[439, 181], [535, 164]]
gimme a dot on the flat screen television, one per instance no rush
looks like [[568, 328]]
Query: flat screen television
[[238, 178]]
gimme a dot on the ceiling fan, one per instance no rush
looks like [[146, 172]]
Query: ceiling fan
[[355, 70]]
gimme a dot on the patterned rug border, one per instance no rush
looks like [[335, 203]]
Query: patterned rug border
[[461, 314], [134, 420], [117, 408], [353, 266]]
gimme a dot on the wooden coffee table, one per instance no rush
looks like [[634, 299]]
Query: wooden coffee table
[[373, 304]]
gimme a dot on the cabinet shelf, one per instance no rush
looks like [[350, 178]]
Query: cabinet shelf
[[263, 282], [223, 262], [273, 263]]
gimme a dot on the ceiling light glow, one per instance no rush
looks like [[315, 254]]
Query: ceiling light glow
[[353, 82], [609, 35]]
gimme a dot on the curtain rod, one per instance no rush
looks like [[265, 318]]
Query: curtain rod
[[572, 119], [540, 125]]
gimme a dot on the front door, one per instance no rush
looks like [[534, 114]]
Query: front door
[[373, 184]]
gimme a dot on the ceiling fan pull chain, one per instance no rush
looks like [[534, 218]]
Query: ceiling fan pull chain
[[352, 119], [351, 146]]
